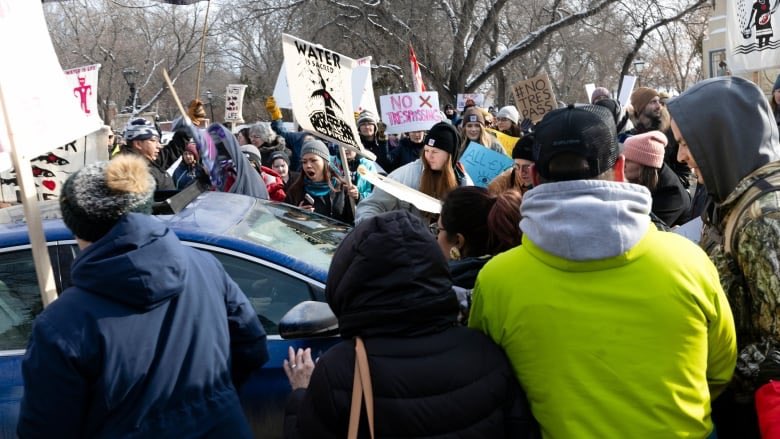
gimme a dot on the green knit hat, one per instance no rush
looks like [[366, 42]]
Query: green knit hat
[[96, 196]]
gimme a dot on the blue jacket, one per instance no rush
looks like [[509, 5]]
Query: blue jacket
[[142, 344], [294, 141]]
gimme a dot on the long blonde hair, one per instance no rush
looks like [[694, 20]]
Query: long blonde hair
[[485, 138]]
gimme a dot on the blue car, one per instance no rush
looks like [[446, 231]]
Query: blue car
[[278, 254]]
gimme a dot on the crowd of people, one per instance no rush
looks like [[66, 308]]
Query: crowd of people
[[556, 302]]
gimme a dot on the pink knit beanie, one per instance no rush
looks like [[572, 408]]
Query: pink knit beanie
[[646, 149]]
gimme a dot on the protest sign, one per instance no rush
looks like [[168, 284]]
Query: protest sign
[[363, 87], [482, 164], [624, 97], [234, 103], [322, 96], [750, 40], [589, 89], [507, 141], [534, 97], [37, 96], [462, 98], [281, 90], [83, 83], [51, 169], [405, 112]]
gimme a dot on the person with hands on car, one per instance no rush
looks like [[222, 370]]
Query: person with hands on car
[[153, 337], [389, 285]]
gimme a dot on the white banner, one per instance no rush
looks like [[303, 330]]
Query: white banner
[[234, 103], [51, 169], [363, 87], [462, 98], [38, 106], [83, 82], [281, 90], [751, 43], [405, 112], [322, 96], [624, 97]]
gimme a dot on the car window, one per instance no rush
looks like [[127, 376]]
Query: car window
[[20, 298], [271, 292]]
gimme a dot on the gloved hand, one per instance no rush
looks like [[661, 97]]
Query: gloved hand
[[273, 110], [380, 131]]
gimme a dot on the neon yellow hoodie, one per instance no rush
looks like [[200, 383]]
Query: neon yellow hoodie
[[631, 346]]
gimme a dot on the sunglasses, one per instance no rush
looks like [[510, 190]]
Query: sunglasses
[[435, 228]]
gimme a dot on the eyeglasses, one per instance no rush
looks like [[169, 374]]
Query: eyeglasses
[[435, 228], [523, 168]]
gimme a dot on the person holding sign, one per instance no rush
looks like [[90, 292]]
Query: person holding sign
[[474, 131], [436, 173], [319, 189]]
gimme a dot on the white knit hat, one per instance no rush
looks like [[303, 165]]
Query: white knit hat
[[510, 112]]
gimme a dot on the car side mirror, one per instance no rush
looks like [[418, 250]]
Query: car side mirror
[[309, 319]]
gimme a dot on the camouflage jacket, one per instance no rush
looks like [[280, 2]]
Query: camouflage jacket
[[751, 278]]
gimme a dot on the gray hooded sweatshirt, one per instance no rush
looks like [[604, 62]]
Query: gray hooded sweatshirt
[[729, 128]]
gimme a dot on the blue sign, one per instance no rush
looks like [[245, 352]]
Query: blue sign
[[483, 164]]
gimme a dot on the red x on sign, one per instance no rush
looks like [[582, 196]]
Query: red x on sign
[[425, 101]]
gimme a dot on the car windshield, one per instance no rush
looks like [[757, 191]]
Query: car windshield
[[309, 237]]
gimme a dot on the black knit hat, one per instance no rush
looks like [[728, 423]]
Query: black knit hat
[[96, 196], [524, 148], [587, 131], [445, 137]]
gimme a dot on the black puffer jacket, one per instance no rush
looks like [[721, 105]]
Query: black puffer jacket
[[390, 284]]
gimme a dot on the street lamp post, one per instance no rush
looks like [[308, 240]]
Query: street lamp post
[[639, 66], [209, 99], [130, 74]]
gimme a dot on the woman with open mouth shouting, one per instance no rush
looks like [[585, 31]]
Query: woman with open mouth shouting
[[319, 188]]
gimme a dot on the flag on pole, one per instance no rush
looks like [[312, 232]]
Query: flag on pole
[[419, 86]]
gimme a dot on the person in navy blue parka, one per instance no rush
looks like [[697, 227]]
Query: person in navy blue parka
[[153, 337]]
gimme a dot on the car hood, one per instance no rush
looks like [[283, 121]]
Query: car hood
[[141, 252]]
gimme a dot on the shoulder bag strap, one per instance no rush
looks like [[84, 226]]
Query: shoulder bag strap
[[361, 388]]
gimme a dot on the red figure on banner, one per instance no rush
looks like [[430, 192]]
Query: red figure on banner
[[82, 91]]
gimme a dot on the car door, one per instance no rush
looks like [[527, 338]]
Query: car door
[[20, 303], [272, 290]]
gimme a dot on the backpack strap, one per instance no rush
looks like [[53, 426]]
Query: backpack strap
[[761, 187]]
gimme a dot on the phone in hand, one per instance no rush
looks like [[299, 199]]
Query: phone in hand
[[308, 199]]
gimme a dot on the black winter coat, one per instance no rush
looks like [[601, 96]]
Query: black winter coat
[[671, 201], [389, 284], [406, 152]]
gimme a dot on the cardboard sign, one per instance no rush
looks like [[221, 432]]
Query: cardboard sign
[[478, 98], [322, 96], [483, 164], [534, 97], [234, 103], [405, 112]]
